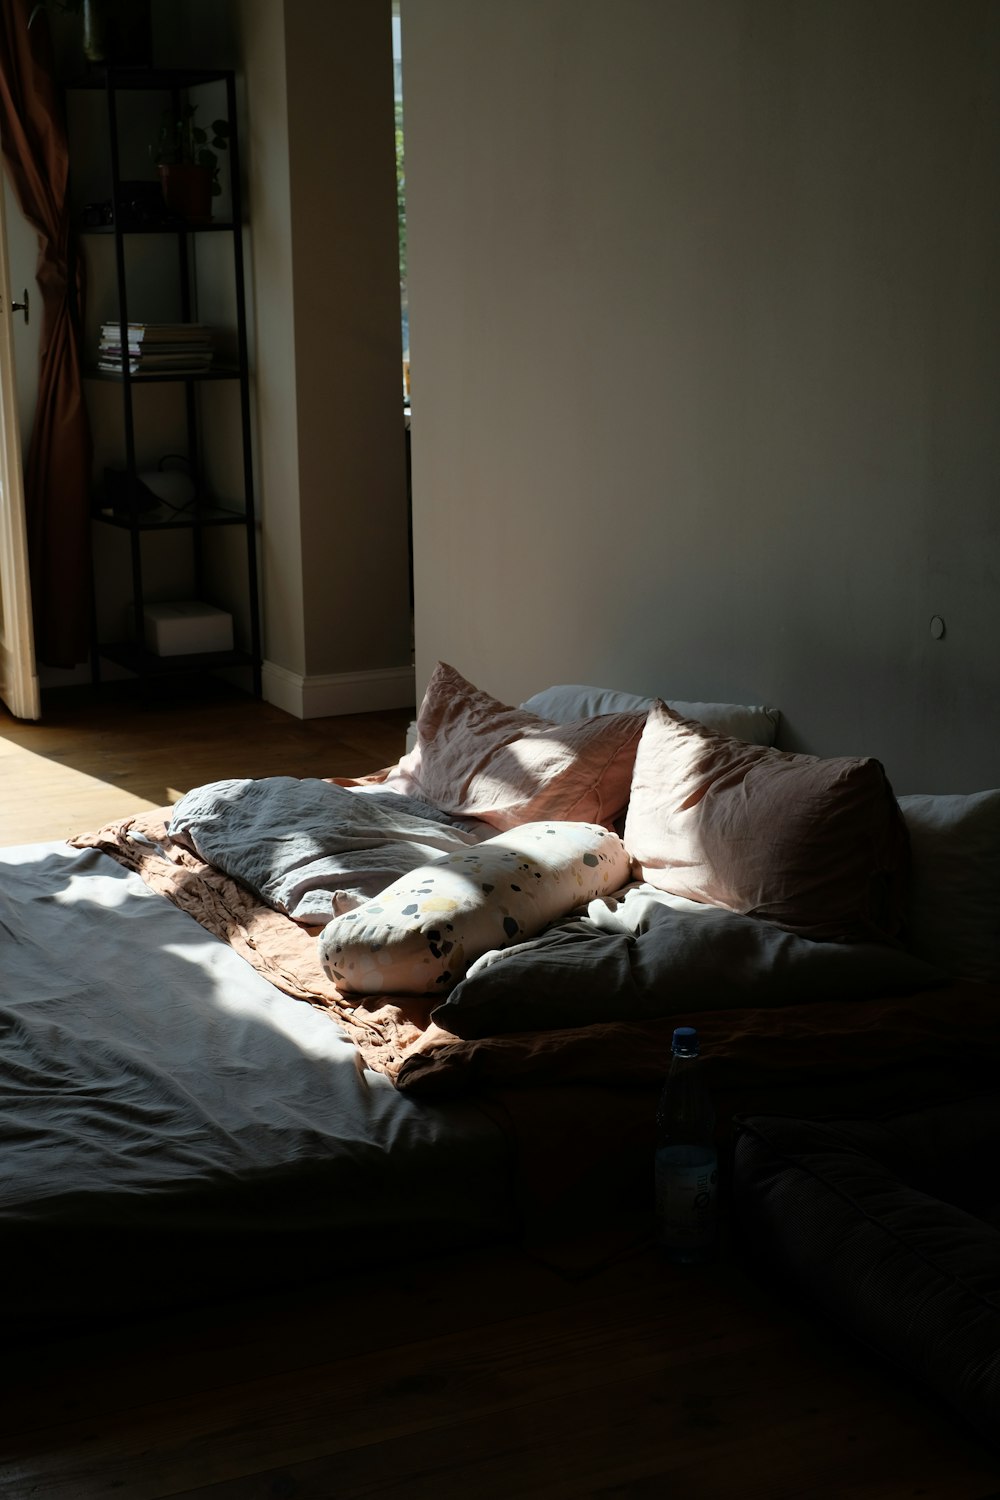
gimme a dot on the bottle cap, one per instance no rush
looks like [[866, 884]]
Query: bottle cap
[[685, 1042]]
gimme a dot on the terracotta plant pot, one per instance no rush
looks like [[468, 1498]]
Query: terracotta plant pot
[[187, 191]]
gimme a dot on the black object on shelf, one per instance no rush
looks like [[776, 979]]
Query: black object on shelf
[[135, 208]]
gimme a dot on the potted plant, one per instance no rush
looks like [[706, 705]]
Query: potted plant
[[187, 160]]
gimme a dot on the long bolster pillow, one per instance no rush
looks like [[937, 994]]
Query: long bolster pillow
[[421, 933]]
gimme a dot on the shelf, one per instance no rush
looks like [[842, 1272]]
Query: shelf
[[147, 664], [97, 77], [165, 519], [157, 377], [172, 226], [176, 280]]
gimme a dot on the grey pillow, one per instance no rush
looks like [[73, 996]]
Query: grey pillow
[[754, 724], [953, 910], [640, 957]]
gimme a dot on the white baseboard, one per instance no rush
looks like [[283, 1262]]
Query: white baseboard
[[337, 692]]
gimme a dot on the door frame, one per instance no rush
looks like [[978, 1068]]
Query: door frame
[[18, 674]]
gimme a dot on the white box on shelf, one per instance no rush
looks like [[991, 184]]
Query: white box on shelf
[[186, 626]]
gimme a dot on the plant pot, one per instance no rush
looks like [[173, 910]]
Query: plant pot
[[187, 191]]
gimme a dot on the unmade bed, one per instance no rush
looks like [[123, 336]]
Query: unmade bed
[[258, 1036]]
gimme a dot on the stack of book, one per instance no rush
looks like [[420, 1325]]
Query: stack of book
[[156, 348]]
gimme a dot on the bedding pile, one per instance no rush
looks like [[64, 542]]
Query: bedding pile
[[761, 892], [490, 943]]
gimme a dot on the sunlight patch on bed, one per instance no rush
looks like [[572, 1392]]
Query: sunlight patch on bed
[[253, 999]]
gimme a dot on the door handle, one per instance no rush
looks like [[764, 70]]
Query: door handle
[[22, 306]]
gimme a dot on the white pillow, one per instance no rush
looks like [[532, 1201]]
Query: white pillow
[[953, 917], [420, 935], [754, 725]]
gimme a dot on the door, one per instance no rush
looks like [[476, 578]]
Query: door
[[18, 677]]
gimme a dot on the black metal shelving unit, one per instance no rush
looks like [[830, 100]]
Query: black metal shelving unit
[[205, 511]]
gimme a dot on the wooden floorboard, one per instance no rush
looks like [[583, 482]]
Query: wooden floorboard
[[94, 757], [485, 1376]]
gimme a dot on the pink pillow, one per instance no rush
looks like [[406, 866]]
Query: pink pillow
[[818, 847], [479, 758]]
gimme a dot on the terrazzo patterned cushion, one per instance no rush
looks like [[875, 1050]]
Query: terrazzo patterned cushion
[[419, 936]]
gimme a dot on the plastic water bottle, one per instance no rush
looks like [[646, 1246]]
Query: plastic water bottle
[[686, 1158]]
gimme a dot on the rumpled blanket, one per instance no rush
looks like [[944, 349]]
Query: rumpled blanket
[[311, 848]]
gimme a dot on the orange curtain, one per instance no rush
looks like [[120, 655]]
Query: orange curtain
[[57, 468]]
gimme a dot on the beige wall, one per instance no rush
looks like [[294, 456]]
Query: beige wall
[[321, 181], [705, 355], [314, 84], [348, 347]]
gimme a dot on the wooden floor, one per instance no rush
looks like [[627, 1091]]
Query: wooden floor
[[90, 759], [488, 1377]]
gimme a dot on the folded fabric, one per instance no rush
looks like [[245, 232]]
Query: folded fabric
[[890, 1229], [421, 933]]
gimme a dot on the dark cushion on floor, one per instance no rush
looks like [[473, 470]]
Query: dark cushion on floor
[[891, 1228]]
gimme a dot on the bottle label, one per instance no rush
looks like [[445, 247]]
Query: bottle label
[[686, 1178]]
